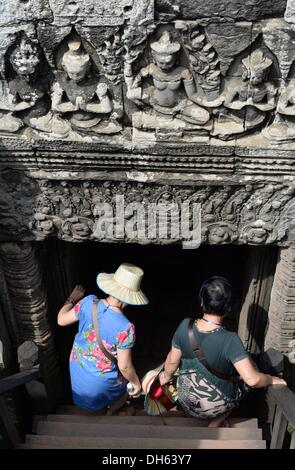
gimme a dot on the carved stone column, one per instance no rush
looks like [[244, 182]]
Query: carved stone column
[[281, 319], [28, 298], [256, 299], [17, 401]]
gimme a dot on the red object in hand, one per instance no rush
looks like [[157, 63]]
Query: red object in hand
[[162, 394], [157, 391]]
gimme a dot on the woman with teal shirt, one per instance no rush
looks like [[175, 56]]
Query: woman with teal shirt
[[208, 381]]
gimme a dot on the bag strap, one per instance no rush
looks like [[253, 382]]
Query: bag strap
[[200, 356], [96, 329]]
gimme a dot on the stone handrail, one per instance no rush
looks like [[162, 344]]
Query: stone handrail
[[283, 400], [7, 384], [21, 378]]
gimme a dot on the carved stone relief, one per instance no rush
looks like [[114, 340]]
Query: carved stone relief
[[282, 129], [282, 42], [290, 12], [256, 214], [125, 68], [171, 97], [24, 99], [78, 95], [247, 98], [204, 63], [17, 11]]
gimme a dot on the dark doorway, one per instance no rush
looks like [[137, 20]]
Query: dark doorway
[[172, 279]]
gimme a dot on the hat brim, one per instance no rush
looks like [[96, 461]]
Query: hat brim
[[150, 377], [108, 284], [153, 407]]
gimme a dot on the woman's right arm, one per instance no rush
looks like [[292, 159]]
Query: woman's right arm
[[127, 370], [171, 365], [253, 377], [68, 313]]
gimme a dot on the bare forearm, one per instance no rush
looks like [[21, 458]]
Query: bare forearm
[[67, 314], [62, 314], [67, 307], [260, 380], [170, 367], [130, 374], [252, 377], [264, 380]]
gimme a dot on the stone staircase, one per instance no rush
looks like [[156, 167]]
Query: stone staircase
[[72, 428]]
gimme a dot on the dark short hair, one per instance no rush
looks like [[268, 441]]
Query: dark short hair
[[215, 296]]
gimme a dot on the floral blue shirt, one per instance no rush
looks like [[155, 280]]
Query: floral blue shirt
[[96, 381]]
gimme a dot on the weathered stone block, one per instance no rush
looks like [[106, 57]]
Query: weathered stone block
[[50, 37], [90, 12], [15, 11], [290, 11], [237, 9], [280, 39], [27, 355], [8, 35], [240, 35]]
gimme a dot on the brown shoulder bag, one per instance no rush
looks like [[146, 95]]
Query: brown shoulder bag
[[96, 329], [200, 356]]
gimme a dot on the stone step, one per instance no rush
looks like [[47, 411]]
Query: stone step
[[174, 413], [147, 431], [75, 410], [145, 420], [79, 442]]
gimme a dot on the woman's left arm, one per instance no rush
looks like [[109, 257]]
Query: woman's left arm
[[171, 365]]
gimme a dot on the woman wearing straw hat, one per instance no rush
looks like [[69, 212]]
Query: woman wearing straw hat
[[100, 361], [211, 360]]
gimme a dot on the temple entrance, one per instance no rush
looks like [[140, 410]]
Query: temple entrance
[[173, 277]]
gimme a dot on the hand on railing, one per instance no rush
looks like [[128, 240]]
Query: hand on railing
[[277, 381]]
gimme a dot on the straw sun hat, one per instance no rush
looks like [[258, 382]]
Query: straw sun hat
[[124, 284], [152, 405]]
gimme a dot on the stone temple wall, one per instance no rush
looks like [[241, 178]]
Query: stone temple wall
[[138, 72], [164, 101], [157, 100]]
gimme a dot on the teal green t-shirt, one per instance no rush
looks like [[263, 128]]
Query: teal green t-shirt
[[221, 349]]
